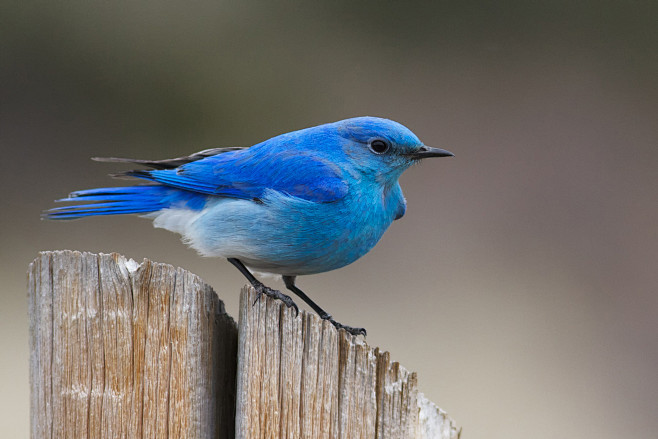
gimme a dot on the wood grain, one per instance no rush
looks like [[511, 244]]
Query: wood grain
[[120, 349], [127, 350], [298, 377]]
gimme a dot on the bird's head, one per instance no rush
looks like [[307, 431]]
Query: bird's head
[[381, 147]]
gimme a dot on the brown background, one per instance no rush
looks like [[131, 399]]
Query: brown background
[[521, 284]]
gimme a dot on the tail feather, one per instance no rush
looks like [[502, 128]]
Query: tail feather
[[171, 163], [124, 200]]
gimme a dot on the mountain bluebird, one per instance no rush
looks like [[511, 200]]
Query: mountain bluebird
[[300, 203]]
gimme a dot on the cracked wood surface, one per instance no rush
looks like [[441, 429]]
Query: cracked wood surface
[[121, 349], [298, 377]]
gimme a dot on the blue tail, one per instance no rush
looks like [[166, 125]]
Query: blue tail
[[124, 200]]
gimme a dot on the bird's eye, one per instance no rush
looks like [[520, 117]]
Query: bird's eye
[[379, 146]]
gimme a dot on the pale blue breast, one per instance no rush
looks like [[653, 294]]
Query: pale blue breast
[[291, 236]]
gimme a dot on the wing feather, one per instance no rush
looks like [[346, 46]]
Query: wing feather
[[248, 174], [170, 163]]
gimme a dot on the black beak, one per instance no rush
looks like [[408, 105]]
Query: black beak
[[427, 151]]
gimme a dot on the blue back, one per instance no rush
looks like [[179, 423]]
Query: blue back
[[317, 164]]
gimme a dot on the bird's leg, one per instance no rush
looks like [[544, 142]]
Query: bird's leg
[[290, 284], [262, 288]]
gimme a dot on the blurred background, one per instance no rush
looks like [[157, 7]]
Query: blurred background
[[522, 284]]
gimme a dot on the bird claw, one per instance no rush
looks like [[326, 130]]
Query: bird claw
[[275, 294], [350, 329], [261, 290]]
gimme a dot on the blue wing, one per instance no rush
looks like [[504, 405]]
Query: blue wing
[[249, 173]]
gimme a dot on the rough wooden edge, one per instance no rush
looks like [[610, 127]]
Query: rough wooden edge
[[121, 349], [300, 377], [297, 376]]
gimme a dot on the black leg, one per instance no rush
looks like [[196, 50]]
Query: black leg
[[262, 288], [290, 284]]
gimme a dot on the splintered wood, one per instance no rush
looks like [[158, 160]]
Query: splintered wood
[[127, 350], [120, 349], [298, 377]]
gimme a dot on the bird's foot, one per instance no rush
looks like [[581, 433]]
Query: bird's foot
[[275, 294], [350, 329]]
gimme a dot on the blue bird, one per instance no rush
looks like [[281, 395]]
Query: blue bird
[[300, 203]]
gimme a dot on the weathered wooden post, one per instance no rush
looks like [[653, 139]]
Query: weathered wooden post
[[300, 377], [120, 349]]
